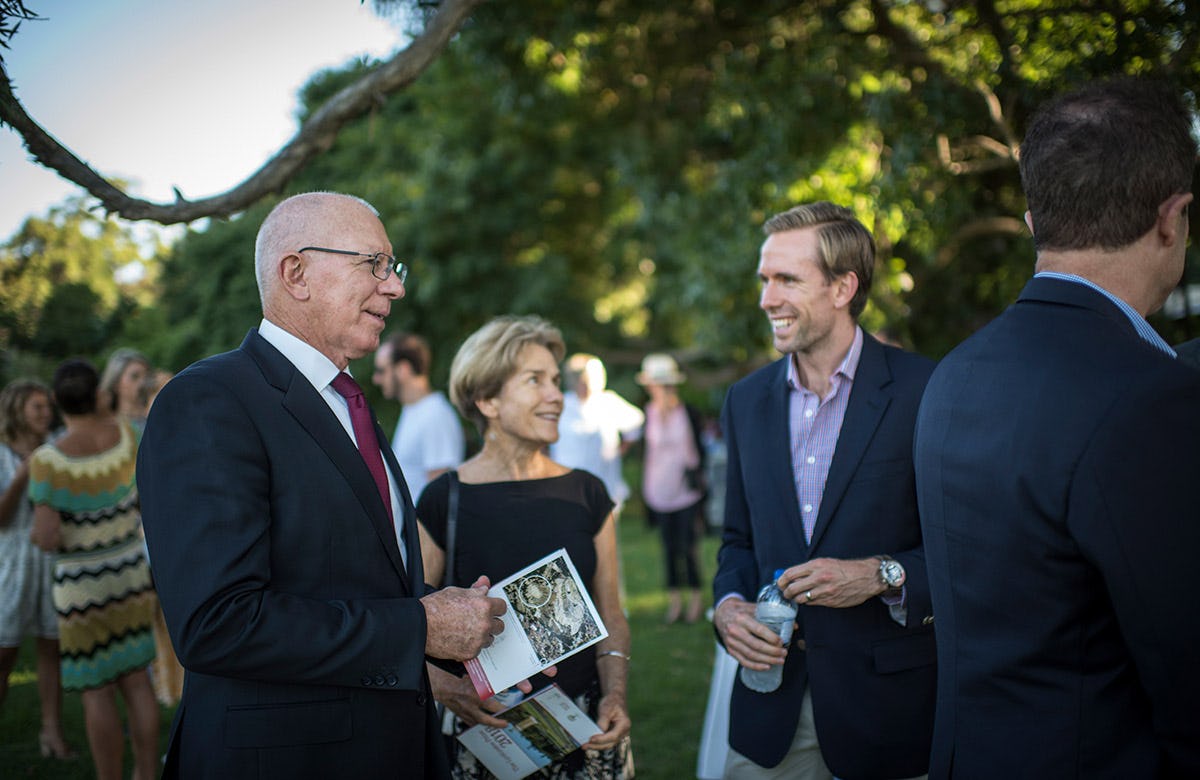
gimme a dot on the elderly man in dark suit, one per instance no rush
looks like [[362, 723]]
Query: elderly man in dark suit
[[1056, 466], [282, 534], [820, 483]]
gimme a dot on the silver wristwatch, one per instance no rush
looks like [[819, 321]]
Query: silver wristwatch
[[891, 573]]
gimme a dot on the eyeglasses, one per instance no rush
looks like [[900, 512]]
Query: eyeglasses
[[382, 264]]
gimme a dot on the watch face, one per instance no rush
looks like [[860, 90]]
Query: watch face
[[893, 573]]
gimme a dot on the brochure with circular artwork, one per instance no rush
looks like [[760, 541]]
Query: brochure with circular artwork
[[550, 617]]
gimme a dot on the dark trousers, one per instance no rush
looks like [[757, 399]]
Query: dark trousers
[[679, 543]]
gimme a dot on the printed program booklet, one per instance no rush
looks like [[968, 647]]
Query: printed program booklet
[[550, 617], [541, 729]]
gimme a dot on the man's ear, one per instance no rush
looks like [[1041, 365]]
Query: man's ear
[[1172, 218], [1029, 221], [845, 287], [293, 276]]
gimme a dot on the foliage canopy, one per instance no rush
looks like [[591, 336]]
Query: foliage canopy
[[608, 164]]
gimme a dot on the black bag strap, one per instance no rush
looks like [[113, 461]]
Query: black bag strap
[[451, 527]]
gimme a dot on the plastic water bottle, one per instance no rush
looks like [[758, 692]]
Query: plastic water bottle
[[776, 613]]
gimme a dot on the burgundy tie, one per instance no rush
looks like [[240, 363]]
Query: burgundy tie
[[364, 434]]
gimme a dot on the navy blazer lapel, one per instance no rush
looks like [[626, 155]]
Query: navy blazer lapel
[[771, 419], [305, 404], [869, 399], [412, 540]]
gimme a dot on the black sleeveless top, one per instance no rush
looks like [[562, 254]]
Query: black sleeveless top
[[505, 526]]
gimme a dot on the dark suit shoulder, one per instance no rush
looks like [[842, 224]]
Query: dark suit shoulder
[[1189, 353], [254, 358], [773, 372], [908, 370], [903, 360]]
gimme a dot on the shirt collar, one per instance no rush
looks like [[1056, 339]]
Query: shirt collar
[[1143, 328], [316, 368], [845, 369]]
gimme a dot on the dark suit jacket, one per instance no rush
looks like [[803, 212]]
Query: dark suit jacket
[[1057, 455], [872, 680], [1189, 352], [282, 583]]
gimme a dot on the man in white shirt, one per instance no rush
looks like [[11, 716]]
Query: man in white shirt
[[596, 426], [429, 437]]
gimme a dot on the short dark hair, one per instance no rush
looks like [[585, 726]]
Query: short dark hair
[[75, 385], [412, 348], [1097, 163], [846, 244]]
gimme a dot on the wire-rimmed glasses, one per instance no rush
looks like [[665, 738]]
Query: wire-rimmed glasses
[[382, 264]]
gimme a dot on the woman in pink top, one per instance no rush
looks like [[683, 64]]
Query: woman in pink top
[[672, 481]]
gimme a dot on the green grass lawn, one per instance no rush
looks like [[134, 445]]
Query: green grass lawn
[[668, 682]]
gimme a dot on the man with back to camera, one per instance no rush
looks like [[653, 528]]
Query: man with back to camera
[[597, 425], [820, 483], [285, 551], [1056, 462], [429, 437]]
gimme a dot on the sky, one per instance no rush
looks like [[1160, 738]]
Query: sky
[[168, 93]]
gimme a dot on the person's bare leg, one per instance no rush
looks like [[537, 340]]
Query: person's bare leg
[[49, 681], [695, 606], [142, 709], [104, 735], [674, 606]]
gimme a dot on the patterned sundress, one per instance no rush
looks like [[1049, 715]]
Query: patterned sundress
[[102, 589], [26, 573]]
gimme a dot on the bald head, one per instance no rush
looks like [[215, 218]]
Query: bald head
[[308, 219], [314, 265]]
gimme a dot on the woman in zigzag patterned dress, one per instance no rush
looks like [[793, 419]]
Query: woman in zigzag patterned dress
[[86, 509]]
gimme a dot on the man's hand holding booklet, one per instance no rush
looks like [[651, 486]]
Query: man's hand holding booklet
[[550, 617]]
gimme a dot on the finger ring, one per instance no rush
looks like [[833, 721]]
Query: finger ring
[[808, 595]]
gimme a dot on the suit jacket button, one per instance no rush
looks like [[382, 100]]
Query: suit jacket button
[[421, 700], [379, 679], [928, 620], [366, 680], [392, 681]]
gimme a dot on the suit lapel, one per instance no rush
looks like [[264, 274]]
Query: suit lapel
[[412, 542], [771, 417], [311, 412], [869, 399]]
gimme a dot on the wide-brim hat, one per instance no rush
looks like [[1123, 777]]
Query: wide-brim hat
[[659, 369]]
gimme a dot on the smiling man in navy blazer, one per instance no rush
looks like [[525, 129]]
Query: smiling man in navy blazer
[[820, 483], [1057, 455], [285, 553]]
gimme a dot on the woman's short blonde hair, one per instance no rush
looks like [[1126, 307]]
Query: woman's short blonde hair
[[488, 359]]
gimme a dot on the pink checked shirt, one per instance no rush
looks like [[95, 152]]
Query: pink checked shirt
[[815, 424]]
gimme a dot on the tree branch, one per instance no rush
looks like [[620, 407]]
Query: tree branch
[[315, 136], [984, 226]]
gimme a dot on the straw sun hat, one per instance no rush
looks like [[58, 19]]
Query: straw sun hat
[[659, 369]]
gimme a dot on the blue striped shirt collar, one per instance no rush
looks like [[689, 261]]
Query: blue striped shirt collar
[[1143, 328]]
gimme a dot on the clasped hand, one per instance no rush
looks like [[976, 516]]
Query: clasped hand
[[751, 644], [832, 582], [459, 622], [821, 582]]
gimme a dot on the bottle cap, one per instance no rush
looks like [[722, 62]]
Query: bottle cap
[[777, 575]]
